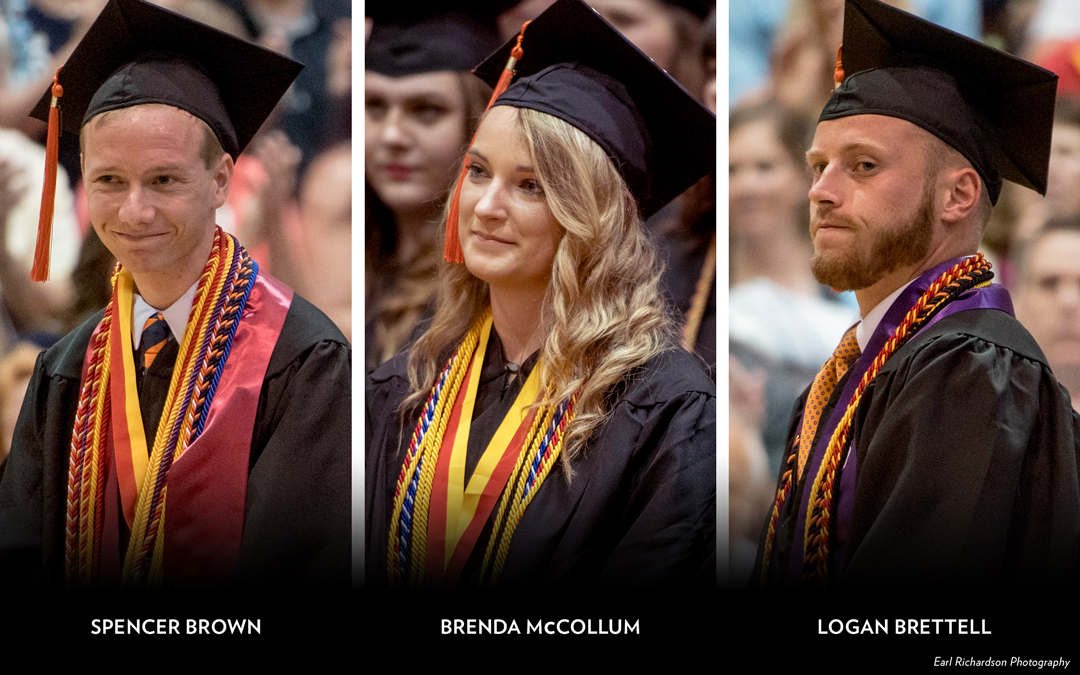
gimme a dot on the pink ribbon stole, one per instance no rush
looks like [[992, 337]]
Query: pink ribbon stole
[[207, 485]]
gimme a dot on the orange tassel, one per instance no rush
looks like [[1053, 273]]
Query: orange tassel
[[452, 249], [838, 71], [40, 270]]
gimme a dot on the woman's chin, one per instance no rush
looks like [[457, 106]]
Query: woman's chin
[[481, 268], [405, 196]]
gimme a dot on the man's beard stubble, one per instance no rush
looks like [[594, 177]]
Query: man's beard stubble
[[890, 248]]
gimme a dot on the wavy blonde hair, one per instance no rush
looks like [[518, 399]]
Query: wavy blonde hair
[[602, 311]]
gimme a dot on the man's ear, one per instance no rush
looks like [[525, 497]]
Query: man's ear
[[223, 172], [963, 189]]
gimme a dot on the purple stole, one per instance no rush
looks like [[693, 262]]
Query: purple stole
[[207, 485], [990, 297]]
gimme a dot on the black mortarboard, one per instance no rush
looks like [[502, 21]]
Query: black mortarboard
[[408, 44], [136, 53], [995, 109], [699, 8], [578, 68]]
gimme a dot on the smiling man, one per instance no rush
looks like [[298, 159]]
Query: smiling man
[[935, 447], [197, 432], [152, 192]]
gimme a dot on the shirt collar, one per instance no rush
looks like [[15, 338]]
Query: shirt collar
[[870, 322], [176, 314]]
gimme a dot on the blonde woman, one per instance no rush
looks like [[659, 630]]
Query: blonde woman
[[545, 429]]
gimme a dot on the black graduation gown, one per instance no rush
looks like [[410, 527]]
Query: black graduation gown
[[966, 466], [639, 512], [297, 513], [683, 252]]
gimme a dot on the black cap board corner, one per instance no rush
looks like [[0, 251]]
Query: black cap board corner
[[413, 42], [578, 68], [136, 52], [994, 108]]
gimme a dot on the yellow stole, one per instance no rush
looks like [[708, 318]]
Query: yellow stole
[[460, 510]]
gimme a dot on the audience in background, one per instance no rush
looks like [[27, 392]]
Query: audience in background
[[326, 222], [685, 234], [1022, 212], [1047, 297], [16, 369], [264, 209], [421, 106], [782, 321]]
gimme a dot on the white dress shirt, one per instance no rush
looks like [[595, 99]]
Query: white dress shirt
[[176, 315]]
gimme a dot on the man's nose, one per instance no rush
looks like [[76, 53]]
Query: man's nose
[[827, 187], [136, 209]]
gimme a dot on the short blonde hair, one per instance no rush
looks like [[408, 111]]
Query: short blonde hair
[[940, 156], [210, 150]]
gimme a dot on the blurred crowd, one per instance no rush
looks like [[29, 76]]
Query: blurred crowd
[[290, 201], [784, 325], [421, 109]]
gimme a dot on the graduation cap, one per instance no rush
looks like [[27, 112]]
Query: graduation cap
[[699, 8], [407, 44], [571, 64], [137, 53], [995, 109]]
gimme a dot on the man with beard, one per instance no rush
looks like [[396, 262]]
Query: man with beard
[[935, 448]]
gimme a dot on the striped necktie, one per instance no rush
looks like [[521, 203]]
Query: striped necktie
[[155, 334], [845, 354]]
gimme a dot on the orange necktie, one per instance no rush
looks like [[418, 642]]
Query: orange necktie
[[154, 336], [845, 354]]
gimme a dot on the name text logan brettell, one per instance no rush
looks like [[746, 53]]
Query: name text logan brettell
[[904, 627]]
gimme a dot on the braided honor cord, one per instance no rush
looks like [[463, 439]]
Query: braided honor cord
[[778, 503], [538, 454], [405, 553], [86, 463], [407, 546], [967, 274], [220, 298]]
